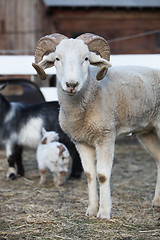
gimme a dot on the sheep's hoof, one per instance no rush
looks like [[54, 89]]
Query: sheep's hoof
[[156, 202], [91, 212], [103, 214]]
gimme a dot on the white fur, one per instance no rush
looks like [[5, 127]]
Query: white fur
[[9, 144], [49, 136], [75, 68], [31, 131], [49, 157]]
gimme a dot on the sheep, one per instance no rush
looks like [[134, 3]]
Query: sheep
[[94, 113], [53, 155], [20, 126]]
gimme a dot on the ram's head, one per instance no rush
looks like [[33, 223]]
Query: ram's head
[[72, 58]]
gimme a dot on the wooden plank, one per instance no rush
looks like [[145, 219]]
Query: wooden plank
[[111, 25], [2, 24]]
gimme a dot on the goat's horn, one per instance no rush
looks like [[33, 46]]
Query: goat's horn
[[97, 44], [45, 45]]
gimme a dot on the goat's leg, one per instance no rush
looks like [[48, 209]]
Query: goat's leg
[[18, 158], [11, 172], [88, 158], [42, 176], [14, 156], [105, 155], [151, 143]]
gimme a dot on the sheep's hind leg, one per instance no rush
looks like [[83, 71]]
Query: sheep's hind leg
[[88, 158], [151, 143]]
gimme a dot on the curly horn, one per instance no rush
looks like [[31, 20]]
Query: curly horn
[[46, 44], [97, 44]]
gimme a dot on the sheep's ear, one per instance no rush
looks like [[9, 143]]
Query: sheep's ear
[[47, 62], [100, 62]]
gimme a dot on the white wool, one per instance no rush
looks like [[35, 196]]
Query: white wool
[[94, 113]]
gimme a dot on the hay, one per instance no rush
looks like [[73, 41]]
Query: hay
[[32, 212]]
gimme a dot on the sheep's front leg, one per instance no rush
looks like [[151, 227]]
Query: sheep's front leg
[[105, 155], [88, 158]]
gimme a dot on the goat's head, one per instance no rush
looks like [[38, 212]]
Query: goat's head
[[72, 58]]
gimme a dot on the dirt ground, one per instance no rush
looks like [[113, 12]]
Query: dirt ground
[[29, 212]]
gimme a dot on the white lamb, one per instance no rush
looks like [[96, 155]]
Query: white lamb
[[53, 155], [93, 113]]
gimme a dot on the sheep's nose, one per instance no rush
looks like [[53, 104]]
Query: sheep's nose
[[71, 86]]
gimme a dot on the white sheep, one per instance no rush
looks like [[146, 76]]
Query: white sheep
[[93, 113], [54, 156]]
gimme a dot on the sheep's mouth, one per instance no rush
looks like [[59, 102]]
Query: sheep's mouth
[[70, 93]]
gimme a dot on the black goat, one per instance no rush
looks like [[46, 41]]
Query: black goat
[[21, 126]]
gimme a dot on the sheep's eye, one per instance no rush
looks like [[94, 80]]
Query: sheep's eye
[[57, 59], [86, 59]]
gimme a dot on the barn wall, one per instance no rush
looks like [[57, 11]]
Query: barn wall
[[21, 25], [111, 24], [23, 22]]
